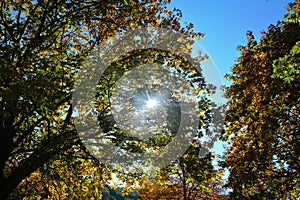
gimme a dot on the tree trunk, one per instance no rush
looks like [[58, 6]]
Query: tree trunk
[[37, 159], [6, 141]]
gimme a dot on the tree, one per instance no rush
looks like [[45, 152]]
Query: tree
[[42, 45], [262, 120], [189, 177], [67, 175]]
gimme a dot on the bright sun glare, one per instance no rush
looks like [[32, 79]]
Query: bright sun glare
[[151, 103]]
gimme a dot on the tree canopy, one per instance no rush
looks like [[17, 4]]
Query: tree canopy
[[42, 47], [46, 45], [263, 120], [189, 177]]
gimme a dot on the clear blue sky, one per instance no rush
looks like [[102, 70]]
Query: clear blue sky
[[225, 23]]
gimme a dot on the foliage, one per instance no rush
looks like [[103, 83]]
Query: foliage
[[65, 176], [263, 120], [42, 44], [190, 177]]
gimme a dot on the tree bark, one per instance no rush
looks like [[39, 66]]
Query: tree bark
[[37, 159]]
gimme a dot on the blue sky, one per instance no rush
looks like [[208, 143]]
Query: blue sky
[[225, 24]]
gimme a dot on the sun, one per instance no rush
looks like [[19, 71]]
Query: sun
[[151, 103]]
